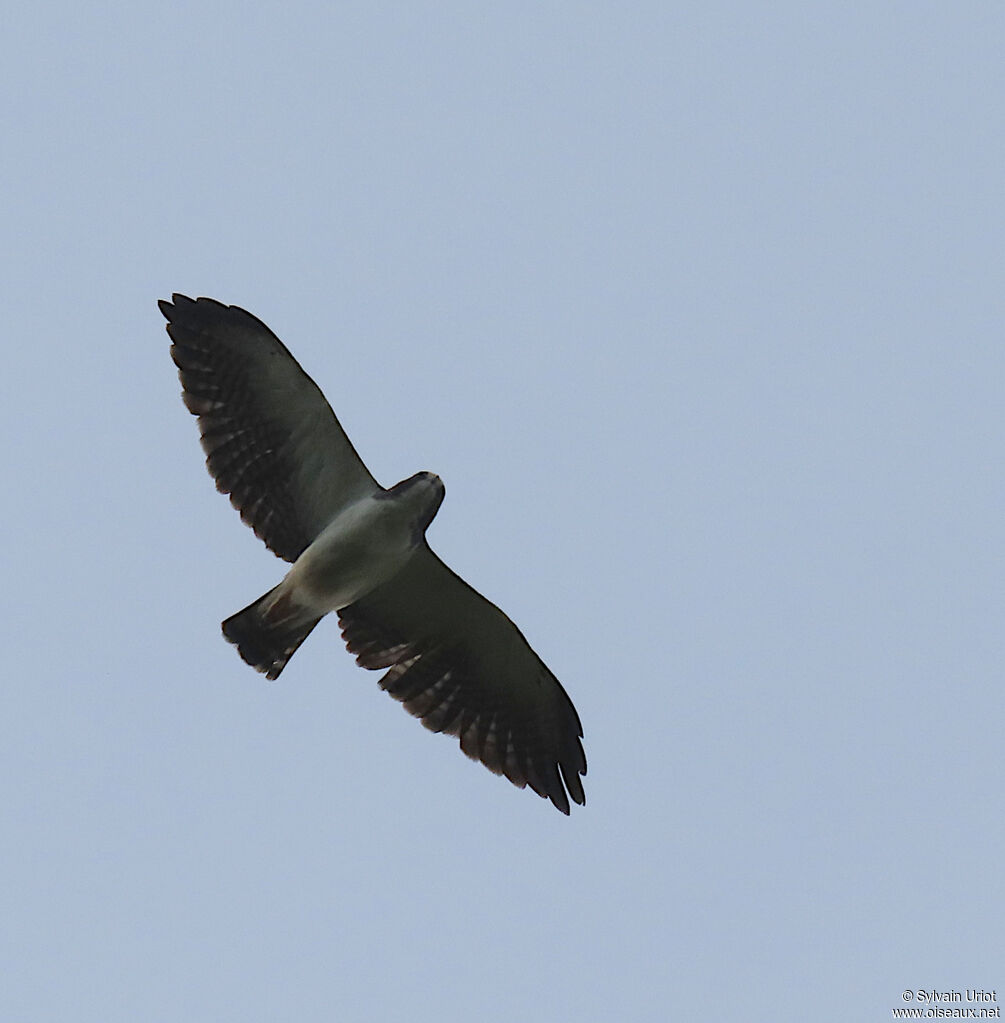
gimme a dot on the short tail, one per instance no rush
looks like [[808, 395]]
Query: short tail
[[268, 632]]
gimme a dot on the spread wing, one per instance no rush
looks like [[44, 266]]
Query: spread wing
[[458, 663], [271, 439]]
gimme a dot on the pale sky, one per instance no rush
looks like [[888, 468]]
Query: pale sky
[[697, 310]]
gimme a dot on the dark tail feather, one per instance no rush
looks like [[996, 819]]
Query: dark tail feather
[[268, 632]]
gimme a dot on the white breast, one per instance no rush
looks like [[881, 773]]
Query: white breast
[[366, 544]]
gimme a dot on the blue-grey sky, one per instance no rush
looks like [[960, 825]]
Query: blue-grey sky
[[697, 310]]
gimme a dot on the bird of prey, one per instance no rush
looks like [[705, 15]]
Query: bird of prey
[[357, 549]]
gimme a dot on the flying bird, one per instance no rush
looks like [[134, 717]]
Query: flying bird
[[452, 658]]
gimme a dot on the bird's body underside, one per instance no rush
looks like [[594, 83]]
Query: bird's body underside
[[367, 543], [452, 657]]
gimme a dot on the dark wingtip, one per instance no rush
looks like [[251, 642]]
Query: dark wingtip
[[172, 309]]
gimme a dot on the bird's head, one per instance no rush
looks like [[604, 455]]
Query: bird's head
[[423, 494]]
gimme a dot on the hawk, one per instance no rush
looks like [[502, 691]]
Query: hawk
[[452, 658]]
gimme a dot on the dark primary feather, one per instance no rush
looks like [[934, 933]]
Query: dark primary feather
[[271, 439], [461, 666]]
